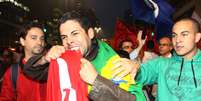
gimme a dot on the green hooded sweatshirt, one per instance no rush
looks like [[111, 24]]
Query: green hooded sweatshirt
[[177, 79]]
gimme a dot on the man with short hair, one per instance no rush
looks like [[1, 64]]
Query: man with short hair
[[165, 47], [25, 89], [77, 34], [177, 77], [126, 45]]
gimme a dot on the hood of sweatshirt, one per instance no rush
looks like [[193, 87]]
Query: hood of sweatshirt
[[183, 77]]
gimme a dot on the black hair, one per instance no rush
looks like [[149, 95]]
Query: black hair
[[82, 16], [123, 54], [27, 26]]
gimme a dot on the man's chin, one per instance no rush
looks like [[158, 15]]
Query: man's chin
[[180, 54], [37, 53]]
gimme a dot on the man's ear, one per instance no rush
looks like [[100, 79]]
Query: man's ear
[[22, 41], [197, 37], [91, 33]]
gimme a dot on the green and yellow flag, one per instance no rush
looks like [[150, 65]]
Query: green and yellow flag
[[103, 64]]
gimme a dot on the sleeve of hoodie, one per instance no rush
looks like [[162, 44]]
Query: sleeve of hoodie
[[7, 92], [34, 70], [149, 71]]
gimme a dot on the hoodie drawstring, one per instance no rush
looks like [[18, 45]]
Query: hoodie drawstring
[[195, 82], [180, 71]]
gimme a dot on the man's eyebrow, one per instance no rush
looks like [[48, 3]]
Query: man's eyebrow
[[174, 33], [33, 35], [185, 32], [74, 31]]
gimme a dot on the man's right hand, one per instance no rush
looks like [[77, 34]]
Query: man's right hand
[[54, 53], [123, 67], [88, 72]]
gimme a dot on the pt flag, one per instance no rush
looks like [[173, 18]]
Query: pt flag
[[64, 82]]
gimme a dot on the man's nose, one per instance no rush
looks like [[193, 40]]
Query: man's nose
[[69, 40], [40, 42]]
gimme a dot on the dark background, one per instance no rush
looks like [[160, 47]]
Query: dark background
[[12, 17]]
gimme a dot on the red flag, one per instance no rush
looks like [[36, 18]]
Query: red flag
[[123, 32], [64, 82]]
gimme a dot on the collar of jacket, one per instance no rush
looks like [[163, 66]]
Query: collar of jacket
[[93, 51]]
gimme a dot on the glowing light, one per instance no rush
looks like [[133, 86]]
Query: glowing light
[[152, 33], [12, 49], [97, 29], [16, 4], [45, 30]]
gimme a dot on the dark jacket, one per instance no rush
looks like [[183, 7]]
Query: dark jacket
[[106, 90]]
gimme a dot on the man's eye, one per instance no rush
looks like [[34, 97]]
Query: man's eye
[[63, 37], [173, 35], [184, 34], [42, 38], [75, 33], [33, 37]]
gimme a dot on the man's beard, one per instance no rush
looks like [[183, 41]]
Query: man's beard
[[37, 50]]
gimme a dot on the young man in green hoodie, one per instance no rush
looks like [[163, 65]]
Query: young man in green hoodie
[[178, 77]]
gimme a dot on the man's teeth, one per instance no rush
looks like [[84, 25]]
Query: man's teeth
[[75, 48]]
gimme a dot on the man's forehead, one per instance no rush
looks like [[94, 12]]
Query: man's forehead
[[183, 25], [165, 39], [127, 42], [35, 32], [69, 26]]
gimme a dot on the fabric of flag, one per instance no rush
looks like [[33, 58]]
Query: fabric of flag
[[103, 63], [164, 20], [141, 11], [124, 32], [64, 82], [157, 12]]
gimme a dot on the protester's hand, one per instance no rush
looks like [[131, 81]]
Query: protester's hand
[[88, 72], [140, 40], [54, 53], [123, 67]]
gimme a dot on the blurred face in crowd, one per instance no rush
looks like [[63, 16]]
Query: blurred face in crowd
[[127, 46], [34, 41], [184, 38], [74, 37], [165, 46]]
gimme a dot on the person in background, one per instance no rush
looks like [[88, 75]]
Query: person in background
[[165, 47], [21, 87], [126, 45], [6, 59]]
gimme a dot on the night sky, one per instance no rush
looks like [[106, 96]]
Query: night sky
[[106, 10]]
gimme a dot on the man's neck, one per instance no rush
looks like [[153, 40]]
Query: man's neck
[[27, 56], [190, 55], [168, 55]]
